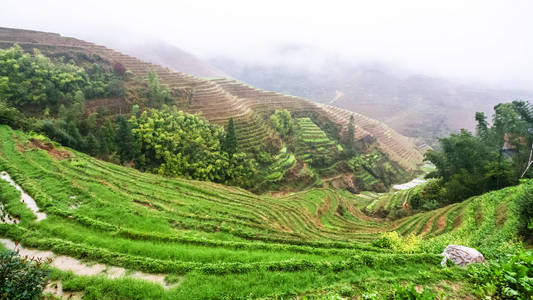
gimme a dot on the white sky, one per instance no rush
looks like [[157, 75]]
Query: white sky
[[485, 41]]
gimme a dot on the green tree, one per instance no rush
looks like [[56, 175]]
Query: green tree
[[156, 92], [12, 116], [467, 166], [282, 121], [34, 79], [127, 148], [175, 143], [482, 127], [93, 145], [349, 138], [107, 141], [230, 141]]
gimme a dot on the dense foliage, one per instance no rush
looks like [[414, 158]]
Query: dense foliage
[[176, 143], [495, 157], [156, 92], [510, 278], [34, 79], [21, 278], [525, 209], [230, 142], [409, 292], [282, 121]]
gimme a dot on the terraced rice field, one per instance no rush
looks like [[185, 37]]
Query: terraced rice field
[[312, 141], [210, 241], [218, 99]]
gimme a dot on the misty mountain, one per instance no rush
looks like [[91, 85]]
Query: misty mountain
[[416, 105], [162, 53]]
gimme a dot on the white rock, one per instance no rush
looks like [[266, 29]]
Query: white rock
[[461, 255]]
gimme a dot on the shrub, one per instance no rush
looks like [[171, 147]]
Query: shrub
[[508, 279], [392, 240], [282, 122], [410, 293], [119, 69], [525, 208], [22, 278], [346, 291]]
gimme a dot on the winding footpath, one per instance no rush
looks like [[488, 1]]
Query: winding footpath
[[67, 263]]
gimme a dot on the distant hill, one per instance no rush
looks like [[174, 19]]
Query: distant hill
[[168, 55], [416, 105]]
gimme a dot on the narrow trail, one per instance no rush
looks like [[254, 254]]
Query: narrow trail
[[24, 198], [67, 263]]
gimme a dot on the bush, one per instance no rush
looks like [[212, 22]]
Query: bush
[[282, 122], [525, 208], [410, 293], [392, 240], [22, 278], [508, 279], [11, 116]]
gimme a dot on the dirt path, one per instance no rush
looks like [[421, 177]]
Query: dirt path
[[24, 198], [67, 263]]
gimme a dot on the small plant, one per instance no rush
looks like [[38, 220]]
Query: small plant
[[346, 291], [410, 293], [509, 279], [22, 277]]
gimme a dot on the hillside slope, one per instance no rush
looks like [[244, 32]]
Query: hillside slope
[[165, 54], [415, 105], [221, 99], [213, 241]]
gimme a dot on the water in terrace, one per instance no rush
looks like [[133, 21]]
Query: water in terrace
[[24, 198]]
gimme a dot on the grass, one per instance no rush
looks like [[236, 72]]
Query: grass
[[226, 242]]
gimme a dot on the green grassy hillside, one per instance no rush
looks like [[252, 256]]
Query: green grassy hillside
[[219, 242]]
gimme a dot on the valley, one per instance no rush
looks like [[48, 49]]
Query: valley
[[127, 179]]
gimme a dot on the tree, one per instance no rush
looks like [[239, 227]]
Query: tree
[[282, 121], [115, 88], [34, 79], [107, 142], [349, 137], [125, 141], [468, 165], [230, 141], [175, 143], [93, 145], [11, 116], [482, 125], [157, 93]]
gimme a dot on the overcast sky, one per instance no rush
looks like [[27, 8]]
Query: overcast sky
[[486, 41]]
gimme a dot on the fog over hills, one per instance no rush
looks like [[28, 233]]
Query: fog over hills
[[159, 52], [414, 104]]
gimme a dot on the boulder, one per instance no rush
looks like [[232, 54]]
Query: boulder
[[461, 255]]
